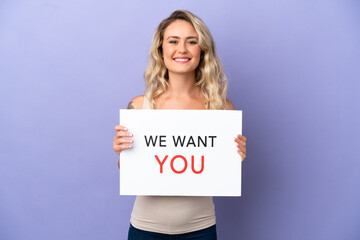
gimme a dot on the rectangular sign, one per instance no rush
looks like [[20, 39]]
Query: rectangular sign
[[181, 153]]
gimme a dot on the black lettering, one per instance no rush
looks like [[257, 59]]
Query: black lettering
[[178, 140], [162, 140], [201, 140], [212, 140], [147, 141], [191, 141]]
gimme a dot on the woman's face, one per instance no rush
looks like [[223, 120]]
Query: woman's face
[[181, 51]]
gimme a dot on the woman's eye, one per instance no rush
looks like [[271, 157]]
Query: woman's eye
[[173, 41], [193, 42]]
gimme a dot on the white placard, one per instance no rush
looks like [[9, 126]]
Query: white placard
[[181, 153]]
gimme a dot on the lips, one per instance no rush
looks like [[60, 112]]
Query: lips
[[181, 59]]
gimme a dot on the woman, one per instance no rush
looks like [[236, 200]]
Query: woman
[[184, 72]]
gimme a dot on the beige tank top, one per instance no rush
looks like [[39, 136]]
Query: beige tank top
[[172, 214]]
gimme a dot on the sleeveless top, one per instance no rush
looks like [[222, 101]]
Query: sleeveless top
[[172, 214]]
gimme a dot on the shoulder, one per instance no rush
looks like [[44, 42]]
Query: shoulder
[[230, 104], [136, 102]]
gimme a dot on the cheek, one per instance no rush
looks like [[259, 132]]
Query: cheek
[[166, 50], [165, 55]]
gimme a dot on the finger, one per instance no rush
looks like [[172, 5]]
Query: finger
[[119, 148], [242, 155], [241, 137], [123, 140], [242, 148], [241, 152], [120, 134], [120, 128], [241, 142]]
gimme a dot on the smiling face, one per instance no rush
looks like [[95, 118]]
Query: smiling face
[[181, 50]]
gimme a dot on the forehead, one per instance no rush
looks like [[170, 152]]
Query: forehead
[[180, 28]]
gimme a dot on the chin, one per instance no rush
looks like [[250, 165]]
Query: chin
[[182, 71]]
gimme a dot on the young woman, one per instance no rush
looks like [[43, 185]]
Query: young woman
[[184, 72]]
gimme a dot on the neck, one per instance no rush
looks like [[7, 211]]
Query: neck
[[182, 84]]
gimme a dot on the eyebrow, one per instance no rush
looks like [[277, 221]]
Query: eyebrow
[[179, 37]]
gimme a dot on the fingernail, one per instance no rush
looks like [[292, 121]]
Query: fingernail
[[130, 134], [129, 146], [125, 129], [131, 141]]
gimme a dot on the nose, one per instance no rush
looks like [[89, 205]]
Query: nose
[[182, 47]]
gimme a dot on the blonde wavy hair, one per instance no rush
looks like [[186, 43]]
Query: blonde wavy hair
[[209, 74]]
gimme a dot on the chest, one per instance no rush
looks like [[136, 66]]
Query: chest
[[180, 103]]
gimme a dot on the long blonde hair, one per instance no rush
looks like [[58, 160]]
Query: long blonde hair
[[209, 75]]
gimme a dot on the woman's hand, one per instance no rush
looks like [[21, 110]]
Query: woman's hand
[[241, 145], [121, 140]]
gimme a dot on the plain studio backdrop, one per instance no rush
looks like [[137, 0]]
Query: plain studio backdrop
[[66, 67]]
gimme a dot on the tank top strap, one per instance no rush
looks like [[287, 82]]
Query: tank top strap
[[146, 103]]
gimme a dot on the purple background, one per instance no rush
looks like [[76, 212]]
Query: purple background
[[66, 67]]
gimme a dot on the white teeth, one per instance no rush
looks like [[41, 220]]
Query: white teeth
[[182, 59]]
